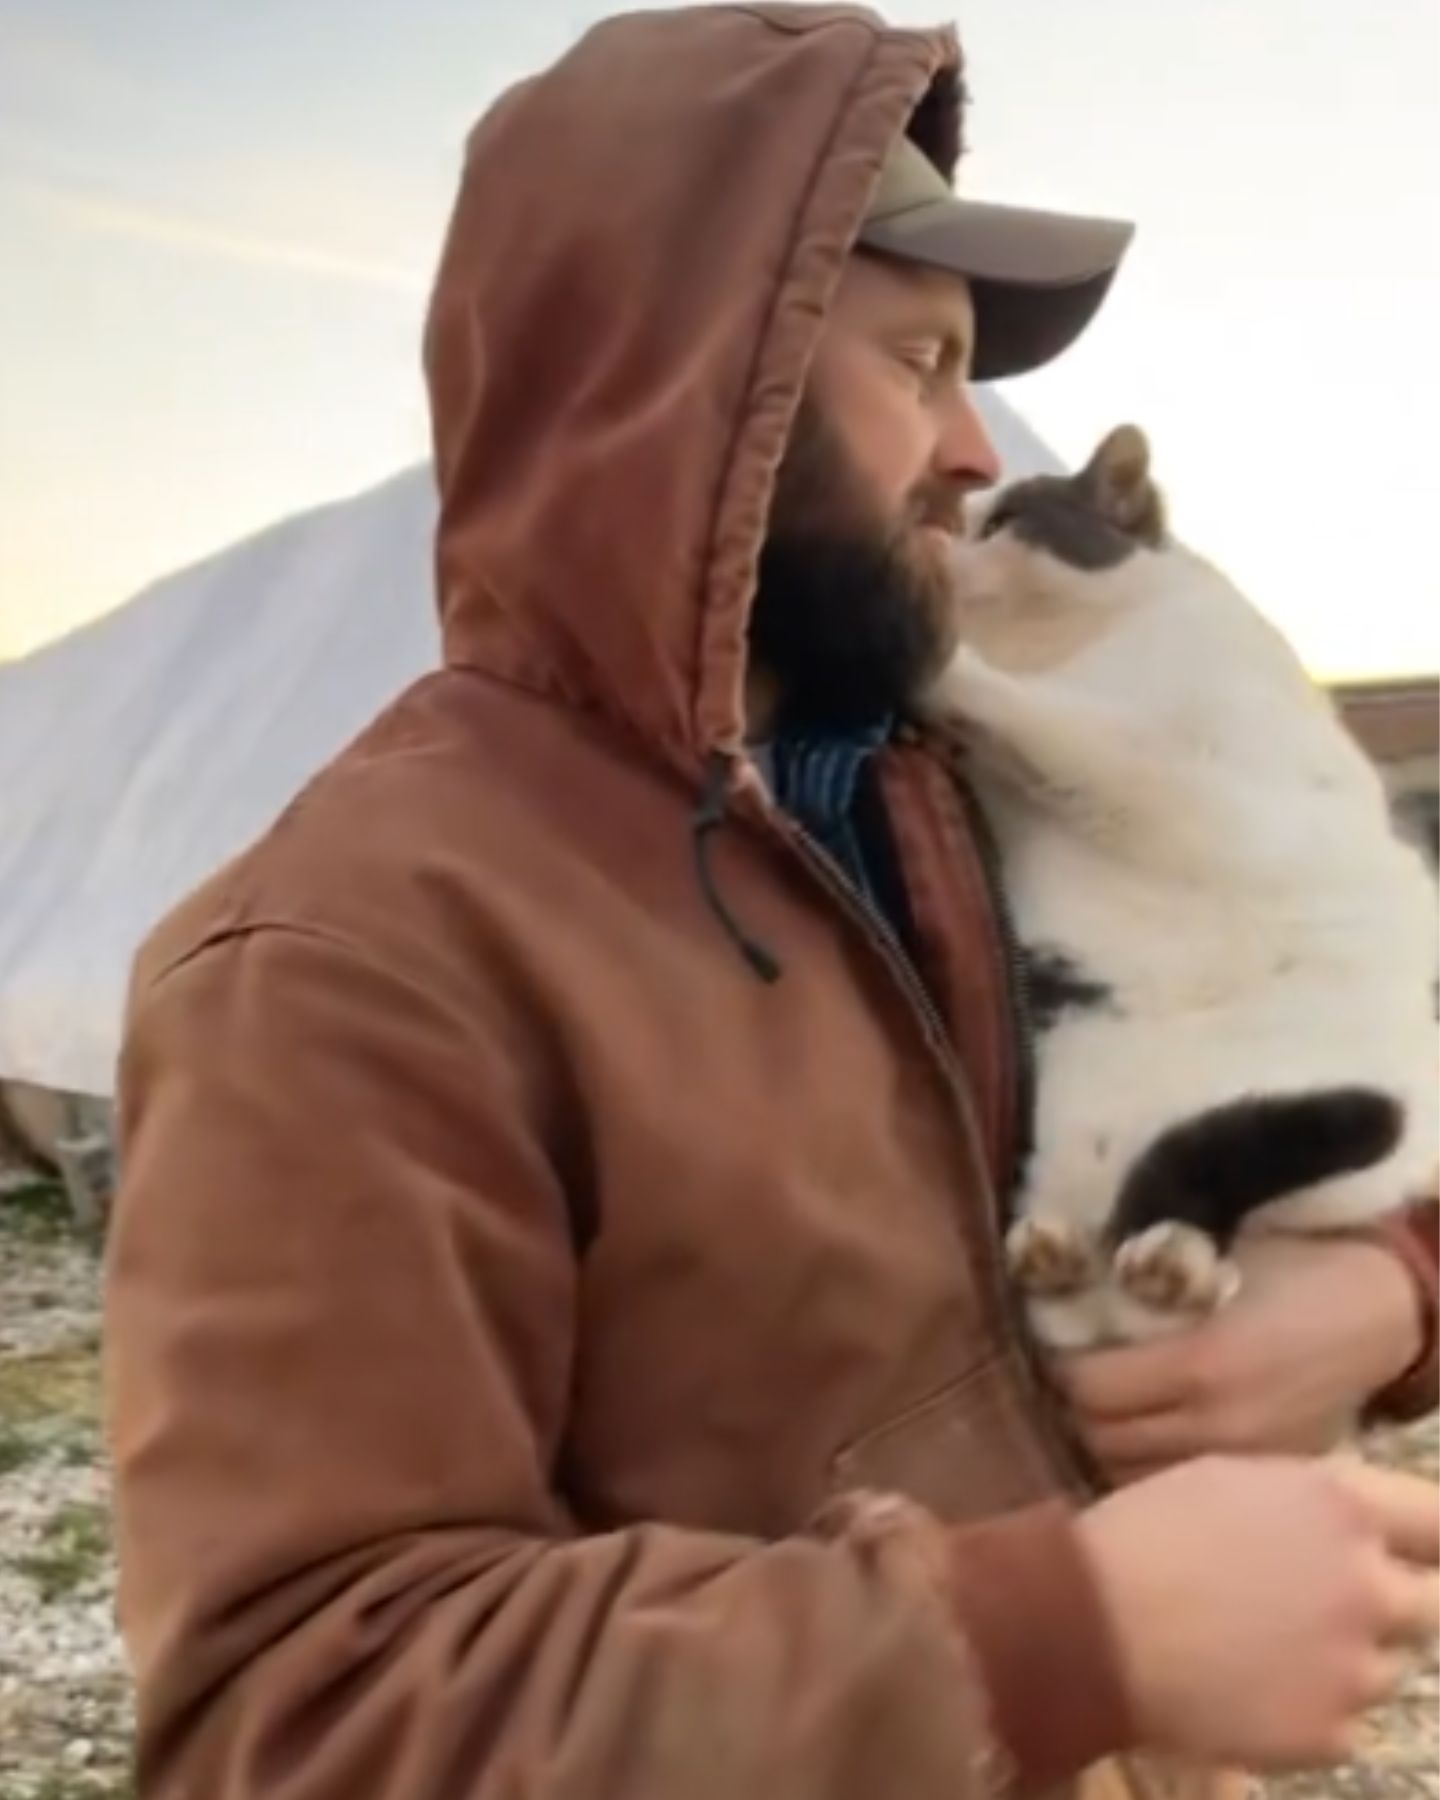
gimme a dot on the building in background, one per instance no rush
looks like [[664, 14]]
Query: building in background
[[1398, 722]]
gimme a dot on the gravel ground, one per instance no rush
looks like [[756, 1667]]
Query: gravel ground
[[65, 1715], [64, 1700], [1400, 1759]]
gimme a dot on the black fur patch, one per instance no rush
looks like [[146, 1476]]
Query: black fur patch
[[1049, 512], [1214, 1170], [1055, 984]]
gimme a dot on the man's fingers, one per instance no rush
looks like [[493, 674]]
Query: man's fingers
[[1412, 1607], [1153, 1443], [1404, 1508], [1127, 1474], [1132, 1383], [1378, 1683]]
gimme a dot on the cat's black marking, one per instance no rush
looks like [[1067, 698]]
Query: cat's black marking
[[1212, 1171], [1093, 519], [1048, 514], [1056, 984]]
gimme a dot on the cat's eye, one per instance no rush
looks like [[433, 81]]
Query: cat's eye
[[995, 522]]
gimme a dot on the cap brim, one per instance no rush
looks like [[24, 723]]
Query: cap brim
[[1038, 278]]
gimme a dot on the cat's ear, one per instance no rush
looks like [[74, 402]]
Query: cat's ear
[[1118, 484]]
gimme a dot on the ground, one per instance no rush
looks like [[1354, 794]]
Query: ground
[[64, 1700], [65, 1714]]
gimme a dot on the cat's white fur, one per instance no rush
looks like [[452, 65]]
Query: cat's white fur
[[1179, 809]]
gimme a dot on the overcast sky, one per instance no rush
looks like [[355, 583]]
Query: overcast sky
[[218, 218]]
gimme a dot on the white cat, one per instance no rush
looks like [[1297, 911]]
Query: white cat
[[1231, 955]]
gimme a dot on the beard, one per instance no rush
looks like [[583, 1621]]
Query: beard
[[852, 617]]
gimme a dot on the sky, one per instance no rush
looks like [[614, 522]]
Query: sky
[[218, 220]]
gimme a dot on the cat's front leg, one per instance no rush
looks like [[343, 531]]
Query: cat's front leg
[[1076, 754], [1167, 1278], [1059, 1273]]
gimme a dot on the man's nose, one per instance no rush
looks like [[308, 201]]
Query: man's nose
[[964, 453]]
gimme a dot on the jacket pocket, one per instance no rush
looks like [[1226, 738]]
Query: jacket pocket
[[966, 1451]]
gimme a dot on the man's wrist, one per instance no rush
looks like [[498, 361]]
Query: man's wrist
[[1029, 1603], [1410, 1238]]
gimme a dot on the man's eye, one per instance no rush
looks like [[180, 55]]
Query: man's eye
[[927, 364]]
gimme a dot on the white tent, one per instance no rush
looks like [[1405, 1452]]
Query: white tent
[[140, 753]]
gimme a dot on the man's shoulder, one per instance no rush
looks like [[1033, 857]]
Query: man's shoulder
[[443, 807], [416, 810]]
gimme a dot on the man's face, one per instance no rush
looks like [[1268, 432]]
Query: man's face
[[852, 614]]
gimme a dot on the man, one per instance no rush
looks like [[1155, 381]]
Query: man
[[557, 1343]]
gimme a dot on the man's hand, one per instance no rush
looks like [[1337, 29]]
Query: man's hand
[[1319, 1326], [1262, 1606]]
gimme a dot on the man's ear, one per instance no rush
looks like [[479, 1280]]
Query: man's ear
[[1117, 482]]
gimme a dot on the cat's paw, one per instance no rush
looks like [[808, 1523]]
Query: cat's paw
[[1175, 1269], [1048, 1258]]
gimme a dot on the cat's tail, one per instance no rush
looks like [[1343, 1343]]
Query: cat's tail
[[1215, 1169]]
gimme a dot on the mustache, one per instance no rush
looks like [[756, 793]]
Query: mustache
[[940, 507]]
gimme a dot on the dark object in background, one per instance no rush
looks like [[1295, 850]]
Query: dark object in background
[[1398, 724]]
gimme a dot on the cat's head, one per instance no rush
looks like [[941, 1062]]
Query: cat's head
[[1095, 519], [1048, 564]]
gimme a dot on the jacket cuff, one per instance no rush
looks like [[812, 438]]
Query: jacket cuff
[[1413, 1235], [1031, 1610]]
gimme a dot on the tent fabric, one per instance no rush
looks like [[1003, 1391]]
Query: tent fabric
[[140, 753], [143, 751]]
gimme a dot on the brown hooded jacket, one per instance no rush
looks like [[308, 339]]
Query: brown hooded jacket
[[511, 1291]]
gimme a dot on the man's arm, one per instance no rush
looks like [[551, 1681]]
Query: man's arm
[[1324, 1331], [1413, 1235], [341, 1335], [341, 1343]]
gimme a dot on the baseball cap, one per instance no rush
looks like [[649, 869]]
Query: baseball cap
[[1038, 278]]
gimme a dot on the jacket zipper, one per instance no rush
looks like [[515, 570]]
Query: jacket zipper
[[877, 926], [1078, 1466], [1073, 1466], [1017, 988]]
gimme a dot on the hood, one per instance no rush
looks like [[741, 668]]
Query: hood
[[645, 243]]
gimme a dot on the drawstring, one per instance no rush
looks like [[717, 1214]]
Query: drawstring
[[707, 818]]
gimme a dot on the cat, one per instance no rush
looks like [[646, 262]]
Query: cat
[[1231, 953]]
